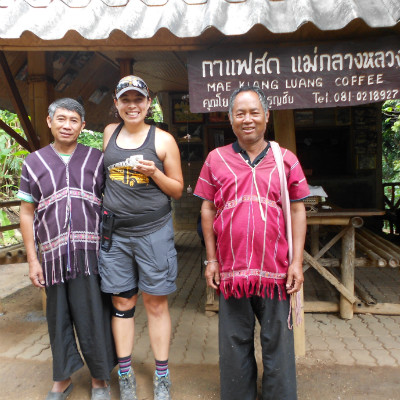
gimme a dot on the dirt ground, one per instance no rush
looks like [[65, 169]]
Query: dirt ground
[[20, 379]]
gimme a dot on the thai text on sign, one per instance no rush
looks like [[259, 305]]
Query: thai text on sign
[[304, 76]]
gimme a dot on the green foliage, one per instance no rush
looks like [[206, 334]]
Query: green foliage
[[12, 155], [7, 238], [157, 114], [91, 138], [391, 141]]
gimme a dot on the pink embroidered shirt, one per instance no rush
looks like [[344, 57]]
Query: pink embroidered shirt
[[252, 249]]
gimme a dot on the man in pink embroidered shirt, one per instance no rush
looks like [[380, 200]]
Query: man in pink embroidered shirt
[[247, 251]]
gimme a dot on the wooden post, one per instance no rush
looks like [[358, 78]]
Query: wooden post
[[299, 333], [347, 269], [41, 93], [284, 129], [286, 137], [19, 106], [125, 66], [314, 239]]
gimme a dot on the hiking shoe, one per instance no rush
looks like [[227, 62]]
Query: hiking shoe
[[161, 385], [127, 386], [103, 393]]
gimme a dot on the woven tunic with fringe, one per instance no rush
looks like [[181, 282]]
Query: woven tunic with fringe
[[67, 196], [252, 253]]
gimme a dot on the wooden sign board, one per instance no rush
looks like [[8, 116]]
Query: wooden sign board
[[340, 73]]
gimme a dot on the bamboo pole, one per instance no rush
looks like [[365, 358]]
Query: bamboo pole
[[381, 242], [315, 220], [363, 294], [332, 307], [347, 272], [321, 307], [381, 308], [348, 294], [373, 256], [388, 243], [299, 330], [359, 262], [378, 250], [357, 222], [334, 240]]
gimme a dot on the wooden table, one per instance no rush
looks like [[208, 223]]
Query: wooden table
[[349, 220]]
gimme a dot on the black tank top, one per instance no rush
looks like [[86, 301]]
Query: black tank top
[[129, 193]]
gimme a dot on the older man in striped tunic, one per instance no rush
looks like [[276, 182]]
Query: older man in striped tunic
[[247, 251], [61, 188]]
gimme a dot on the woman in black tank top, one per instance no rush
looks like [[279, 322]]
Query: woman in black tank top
[[143, 171]]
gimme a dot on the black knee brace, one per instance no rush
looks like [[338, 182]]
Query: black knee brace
[[123, 314]]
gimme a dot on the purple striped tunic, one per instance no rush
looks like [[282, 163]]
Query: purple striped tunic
[[252, 249], [68, 199]]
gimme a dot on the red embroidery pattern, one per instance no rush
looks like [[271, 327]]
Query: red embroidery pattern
[[78, 194], [252, 272], [247, 198], [62, 240]]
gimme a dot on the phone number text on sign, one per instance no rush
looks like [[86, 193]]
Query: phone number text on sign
[[347, 96]]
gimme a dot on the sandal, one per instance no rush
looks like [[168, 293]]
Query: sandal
[[60, 395]]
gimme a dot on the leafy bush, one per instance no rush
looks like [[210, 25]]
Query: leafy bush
[[91, 138], [156, 110], [12, 156], [10, 237], [391, 141]]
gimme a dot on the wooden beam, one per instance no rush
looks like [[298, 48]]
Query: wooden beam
[[320, 307], [41, 93], [359, 262], [329, 306], [125, 66], [329, 244], [330, 278], [9, 227], [10, 203], [315, 220], [19, 104], [16, 136], [380, 308]]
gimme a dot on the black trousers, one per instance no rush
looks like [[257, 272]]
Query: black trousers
[[238, 368], [79, 304]]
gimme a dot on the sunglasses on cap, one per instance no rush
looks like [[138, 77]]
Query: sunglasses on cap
[[131, 83]]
